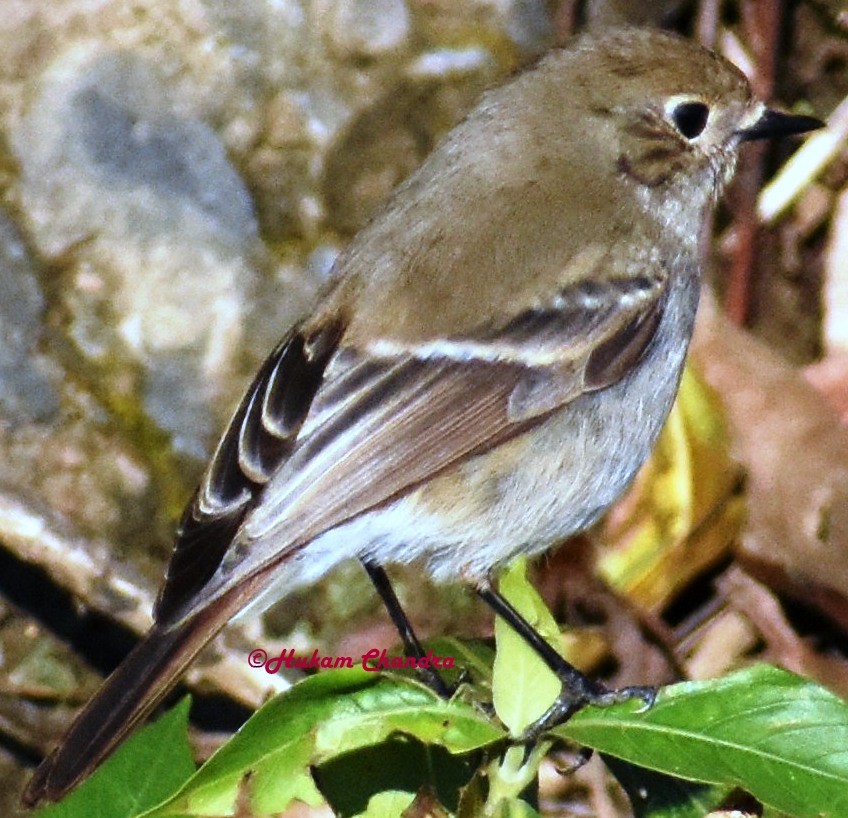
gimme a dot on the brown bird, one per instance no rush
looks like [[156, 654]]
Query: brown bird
[[492, 364]]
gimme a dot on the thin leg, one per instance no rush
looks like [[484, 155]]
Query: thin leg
[[577, 689], [411, 644]]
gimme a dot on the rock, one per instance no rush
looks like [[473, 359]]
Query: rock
[[27, 389], [158, 222], [366, 29]]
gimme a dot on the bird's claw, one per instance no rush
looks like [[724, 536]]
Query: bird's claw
[[570, 702]]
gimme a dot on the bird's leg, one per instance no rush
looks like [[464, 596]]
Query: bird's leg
[[578, 690], [411, 645]]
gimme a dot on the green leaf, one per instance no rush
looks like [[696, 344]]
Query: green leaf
[[514, 808], [350, 782], [514, 774], [778, 736], [390, 802], [773, 813], [655, 795], [467, 661], [319, 719], [523, 686], [472, 656], [144, 771]]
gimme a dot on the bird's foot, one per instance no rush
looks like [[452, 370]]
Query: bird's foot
[[570, 700]]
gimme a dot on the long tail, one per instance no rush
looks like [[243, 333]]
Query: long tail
[[130, 694]]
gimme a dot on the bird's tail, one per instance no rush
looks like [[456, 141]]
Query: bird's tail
[[129, 695]]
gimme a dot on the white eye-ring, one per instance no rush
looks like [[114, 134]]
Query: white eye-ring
[[688, 115]]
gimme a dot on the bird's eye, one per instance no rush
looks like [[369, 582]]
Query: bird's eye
[[690, 118]]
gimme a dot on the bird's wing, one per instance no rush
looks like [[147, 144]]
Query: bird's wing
[[298, 461], [324, 433], [261, 435]]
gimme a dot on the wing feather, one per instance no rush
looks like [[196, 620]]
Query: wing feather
[[381, 425], [260, 436]]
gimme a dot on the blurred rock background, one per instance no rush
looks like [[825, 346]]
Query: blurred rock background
[[176, 181]]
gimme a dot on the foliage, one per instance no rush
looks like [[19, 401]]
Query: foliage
[[373, 743]]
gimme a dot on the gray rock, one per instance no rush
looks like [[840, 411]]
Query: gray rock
[[528, 24], [27, 390], [102, 151], [157, 222], [129, 145], [367, 29]]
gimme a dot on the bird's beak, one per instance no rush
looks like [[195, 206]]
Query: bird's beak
[[776, 124]]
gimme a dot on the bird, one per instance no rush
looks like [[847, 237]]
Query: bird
[[491, 363]]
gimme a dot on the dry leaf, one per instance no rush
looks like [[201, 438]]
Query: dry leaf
[[795, 452]]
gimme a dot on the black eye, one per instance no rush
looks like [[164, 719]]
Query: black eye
[[690, 118]]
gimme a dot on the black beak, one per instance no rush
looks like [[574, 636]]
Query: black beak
[[773, 124]]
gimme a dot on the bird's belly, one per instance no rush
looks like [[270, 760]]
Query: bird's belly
[[533, 491], [523, 497], [565, 474]]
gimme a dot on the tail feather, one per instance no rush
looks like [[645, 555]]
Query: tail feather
[[129, 695]]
